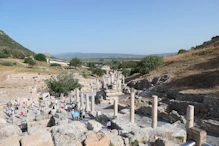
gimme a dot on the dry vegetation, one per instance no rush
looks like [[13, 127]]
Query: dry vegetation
[[196, 71]]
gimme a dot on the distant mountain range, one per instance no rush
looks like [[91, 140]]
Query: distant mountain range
[[103, 55]]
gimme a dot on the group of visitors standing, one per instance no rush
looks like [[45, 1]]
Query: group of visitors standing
[[76, 111]]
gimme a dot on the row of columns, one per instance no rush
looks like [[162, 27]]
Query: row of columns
[[87, 106], [189, 116]]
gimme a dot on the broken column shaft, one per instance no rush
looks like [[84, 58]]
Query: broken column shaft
[[132, 107], [154, 111]]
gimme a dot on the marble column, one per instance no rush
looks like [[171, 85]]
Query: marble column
[[87, 103], [190, 117], [109, 81], [82, 100], [123, 79], [154, 111], [132, 108], [119, 85], [98, 85], [93, 102], [77, 95], [115, 106], [112, 78]]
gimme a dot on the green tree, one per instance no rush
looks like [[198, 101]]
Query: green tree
[[126, 72], [75, 62], [127, 64], [147, 64], [98, 71], [181, 51], [63, 83], [30, 61], [91, 64], [40, 57]]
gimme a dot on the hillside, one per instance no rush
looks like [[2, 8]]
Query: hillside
[[196, 71], [9, 47]]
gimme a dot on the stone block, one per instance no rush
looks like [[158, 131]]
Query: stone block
[[196, 134]]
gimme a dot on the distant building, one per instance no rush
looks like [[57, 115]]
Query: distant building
[[61, 62]]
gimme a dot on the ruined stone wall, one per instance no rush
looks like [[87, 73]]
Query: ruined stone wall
[[213, 105]]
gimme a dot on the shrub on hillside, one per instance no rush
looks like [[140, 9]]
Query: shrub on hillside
[[55, 64], [63, 83], [40, 57], [2, 55], [30, 61], [147, 64], [7, 63], [17, 54], [181, 51], [75, 62]]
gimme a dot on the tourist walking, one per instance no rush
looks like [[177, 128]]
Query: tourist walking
[[66, 107], [108, 124], [72, 114]]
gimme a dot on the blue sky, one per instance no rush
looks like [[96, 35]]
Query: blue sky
[[109, 26]]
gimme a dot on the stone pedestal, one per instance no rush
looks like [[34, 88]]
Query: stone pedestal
[[115, 106], [132, 107], [196, 134], [190, 117], [154, 111], [87, 103]]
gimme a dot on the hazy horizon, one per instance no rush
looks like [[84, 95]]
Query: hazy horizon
[[124, 27]]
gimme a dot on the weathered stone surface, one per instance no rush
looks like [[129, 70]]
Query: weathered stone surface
[[210, 126], [164, 78], [174, 116], [167, 131], [11, 141], [181, 106], [36, 125], [69, 134], [164, 142], [39, 117], [41, 137], [60, 118], [97, 139], [212, 103], [94, 125], [115, 139], [155, 80], [8, 130], [2, 121]]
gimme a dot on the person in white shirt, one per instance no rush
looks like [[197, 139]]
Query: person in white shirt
[[66, 107], [108, 124], [78, 106], [73, 105]]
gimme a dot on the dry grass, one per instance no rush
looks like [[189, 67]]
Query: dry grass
[[196, 71], [192, 54]]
